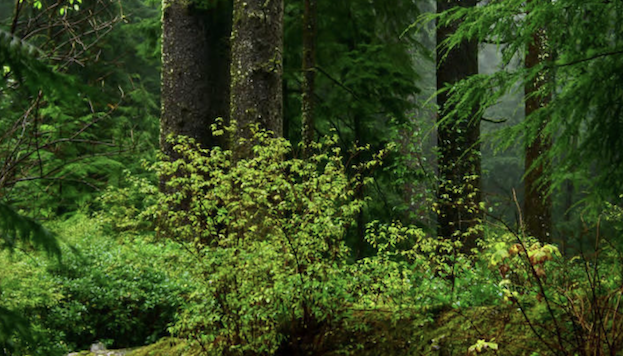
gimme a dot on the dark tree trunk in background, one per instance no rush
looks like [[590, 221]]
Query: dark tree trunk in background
[[195, 71], [256, 71], [458, 142], [309, 73], [537, 203]]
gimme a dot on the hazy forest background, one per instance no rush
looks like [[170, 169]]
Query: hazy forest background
[[275, 177]]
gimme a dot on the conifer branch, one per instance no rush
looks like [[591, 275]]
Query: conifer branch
[[590, 58]]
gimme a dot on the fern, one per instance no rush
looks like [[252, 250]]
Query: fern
[[16, 228]]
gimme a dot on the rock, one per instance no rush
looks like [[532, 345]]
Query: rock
[[96, 351], [98, 346]]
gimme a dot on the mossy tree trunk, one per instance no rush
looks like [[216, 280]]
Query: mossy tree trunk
[[309, 73], [537, 202], [195, 70], [256, 69], [458, 140]]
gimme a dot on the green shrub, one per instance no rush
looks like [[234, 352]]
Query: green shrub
[[101, 290], [121, 209], [571, 305], [268, 234]]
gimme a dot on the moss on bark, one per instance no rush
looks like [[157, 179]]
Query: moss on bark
[[256, 70]]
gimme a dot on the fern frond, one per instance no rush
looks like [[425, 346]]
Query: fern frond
[[11, 323], [16, 228], [18, 46]]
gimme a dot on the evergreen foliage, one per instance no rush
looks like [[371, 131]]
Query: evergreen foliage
[[67, 129], [16, 228], [365, 83], [584, 66], [18, 231]]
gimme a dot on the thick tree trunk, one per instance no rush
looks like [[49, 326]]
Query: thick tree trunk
[[309, 72], [459, 198], [195, 71], [257, 50], [537, 203]]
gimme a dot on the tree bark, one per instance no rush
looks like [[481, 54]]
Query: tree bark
[[256, 72], [537, 203], [309, 73], [458, 140], [195, 71]]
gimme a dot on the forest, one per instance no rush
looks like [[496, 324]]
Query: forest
[[278, 177]]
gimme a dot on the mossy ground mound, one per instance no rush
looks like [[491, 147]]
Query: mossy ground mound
[[167, 347]]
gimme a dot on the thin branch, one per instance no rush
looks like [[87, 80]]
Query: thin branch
[[605, 54], [18, 8], [493, 121], [524, 252], [340, 84]]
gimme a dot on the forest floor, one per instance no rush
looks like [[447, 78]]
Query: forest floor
[[445, 332]]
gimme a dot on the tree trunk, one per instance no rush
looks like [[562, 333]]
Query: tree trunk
[[257, 49], [195, 71], [309, 73], [458, 141], [537, 203]]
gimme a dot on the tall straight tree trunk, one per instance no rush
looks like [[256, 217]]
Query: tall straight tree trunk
[[257, 67], [458, 142], [309, 73], [195, 71], [537, 203]]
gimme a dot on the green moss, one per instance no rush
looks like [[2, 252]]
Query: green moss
[[454, 331], [443, 332], [166, 347]]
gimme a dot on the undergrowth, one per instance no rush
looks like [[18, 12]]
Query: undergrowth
[[249, 258]]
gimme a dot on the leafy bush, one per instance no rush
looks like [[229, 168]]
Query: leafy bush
[[571, 305], [121, 208], [101, 290], [20, 232], [419, 273], [268, 234]]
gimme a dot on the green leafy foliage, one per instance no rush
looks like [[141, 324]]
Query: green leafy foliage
[[11, 325], [18, 231], [121, 294], [123, 208], [269, 237], [255, 250], [266, 237], [482, 346], [571, 305]]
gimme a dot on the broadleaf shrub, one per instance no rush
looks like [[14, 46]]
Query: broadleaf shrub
[[101, 289], [268, 233]]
